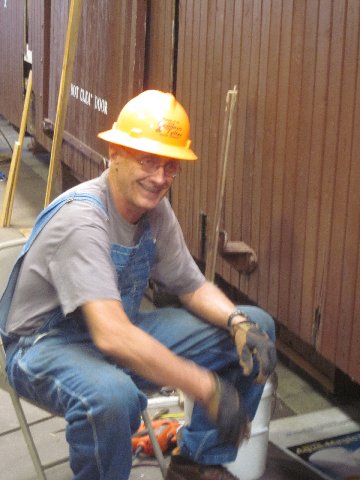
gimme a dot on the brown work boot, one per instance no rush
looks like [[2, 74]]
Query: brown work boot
[[181, 468]]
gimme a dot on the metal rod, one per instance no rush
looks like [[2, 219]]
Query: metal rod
[[157, 450], [15, 160], [231, 98]]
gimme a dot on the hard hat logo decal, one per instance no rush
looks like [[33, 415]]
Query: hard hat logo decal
[[169, 128]]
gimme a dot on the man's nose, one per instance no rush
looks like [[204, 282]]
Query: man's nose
[[159, 175]]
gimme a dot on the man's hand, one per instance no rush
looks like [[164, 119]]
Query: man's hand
[[225, 408], [251, 341]]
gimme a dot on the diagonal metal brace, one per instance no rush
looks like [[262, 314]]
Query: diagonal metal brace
[[238, 253]]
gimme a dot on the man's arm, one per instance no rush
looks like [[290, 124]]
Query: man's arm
[[210, 303], [114, 334], [117, 337]]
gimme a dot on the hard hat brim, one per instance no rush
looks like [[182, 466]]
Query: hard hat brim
[[146, 145]]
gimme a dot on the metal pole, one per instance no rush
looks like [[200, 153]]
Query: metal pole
[[231, 98], [15, 160]]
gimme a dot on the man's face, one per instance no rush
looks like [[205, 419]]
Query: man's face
[[139, 180]]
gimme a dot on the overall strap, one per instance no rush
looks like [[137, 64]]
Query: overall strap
[[54, 207], [40, 223]]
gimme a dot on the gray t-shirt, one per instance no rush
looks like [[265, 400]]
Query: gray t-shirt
[[69, 263]]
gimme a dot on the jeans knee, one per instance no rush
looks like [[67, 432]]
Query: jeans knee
[[123, 400], [262, 318], [111, 404]]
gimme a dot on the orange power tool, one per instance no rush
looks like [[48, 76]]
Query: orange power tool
[[165, 432]]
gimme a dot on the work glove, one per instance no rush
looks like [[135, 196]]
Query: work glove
[[251, 341], [226, 410]]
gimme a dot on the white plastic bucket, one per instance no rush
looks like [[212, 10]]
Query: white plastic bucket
[[250, 462]]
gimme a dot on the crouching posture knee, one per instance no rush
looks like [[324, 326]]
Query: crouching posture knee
[[264, 320]]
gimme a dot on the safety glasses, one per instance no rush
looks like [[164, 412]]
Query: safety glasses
[[151, 163]]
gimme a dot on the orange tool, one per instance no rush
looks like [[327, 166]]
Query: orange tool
[[165, 432]]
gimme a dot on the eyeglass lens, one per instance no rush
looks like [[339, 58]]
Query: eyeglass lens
[[151, 165]]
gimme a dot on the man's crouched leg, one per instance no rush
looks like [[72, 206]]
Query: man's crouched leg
[[99, 402]]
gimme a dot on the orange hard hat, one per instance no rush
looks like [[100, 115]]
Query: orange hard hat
[[153, 122]]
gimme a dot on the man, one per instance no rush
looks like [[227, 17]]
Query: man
[[75, 339]]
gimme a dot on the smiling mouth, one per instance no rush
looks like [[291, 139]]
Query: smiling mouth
[[151, 189]]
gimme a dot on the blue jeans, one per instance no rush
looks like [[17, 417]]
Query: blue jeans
[[101, 402]]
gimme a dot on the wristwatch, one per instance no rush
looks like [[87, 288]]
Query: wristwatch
[[237, 312]]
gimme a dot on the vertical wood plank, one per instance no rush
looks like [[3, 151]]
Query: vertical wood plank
[[352, 251], [12, 49], [266, 254], [300, 319], [312, 284], [346, 224], [327, 331], [288, 238], [275, 296], [259, 186]]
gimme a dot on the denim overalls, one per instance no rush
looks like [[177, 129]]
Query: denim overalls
[[60, 367]]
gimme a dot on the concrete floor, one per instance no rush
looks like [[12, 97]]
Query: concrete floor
[[294, 397]]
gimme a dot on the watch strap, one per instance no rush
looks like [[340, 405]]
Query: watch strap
[[237, 312]]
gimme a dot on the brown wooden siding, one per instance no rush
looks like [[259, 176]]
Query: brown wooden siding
[[291, 189], [12, 50], [160, 39], [38, 14], [108, 71]]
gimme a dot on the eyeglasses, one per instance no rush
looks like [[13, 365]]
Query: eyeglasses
[[151, 163]]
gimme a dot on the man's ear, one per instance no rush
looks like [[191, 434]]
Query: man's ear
[[113, 152]]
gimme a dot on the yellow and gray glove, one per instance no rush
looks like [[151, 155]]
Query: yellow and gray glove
[[252, 342], [226, 410]]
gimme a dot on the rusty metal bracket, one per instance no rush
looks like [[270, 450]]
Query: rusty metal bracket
[[238, 253]]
